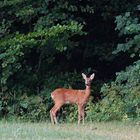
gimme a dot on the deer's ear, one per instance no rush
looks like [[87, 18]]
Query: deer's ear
[[92, 76], [84, 76]]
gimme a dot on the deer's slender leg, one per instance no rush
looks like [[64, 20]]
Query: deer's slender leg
[[83, 115], [51, 114], [79, 113], [57, 107]]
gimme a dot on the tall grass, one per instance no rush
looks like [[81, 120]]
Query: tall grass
[[46, 131]]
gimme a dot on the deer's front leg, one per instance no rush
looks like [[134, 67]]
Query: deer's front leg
[[83, 114], [79, 113]]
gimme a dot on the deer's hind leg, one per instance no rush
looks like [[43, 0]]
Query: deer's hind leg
[[53, 112]]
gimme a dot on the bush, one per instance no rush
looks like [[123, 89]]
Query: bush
[[122, 97], [25, 105]]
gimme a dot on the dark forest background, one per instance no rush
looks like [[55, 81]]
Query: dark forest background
[[46, 44]]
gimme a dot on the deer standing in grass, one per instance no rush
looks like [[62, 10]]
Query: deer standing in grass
[[63, 96]]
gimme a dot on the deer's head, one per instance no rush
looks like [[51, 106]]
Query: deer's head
[[88, 79]]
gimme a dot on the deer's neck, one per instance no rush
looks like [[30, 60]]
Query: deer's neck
[[87, 91]]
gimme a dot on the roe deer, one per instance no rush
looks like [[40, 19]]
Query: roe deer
[[63, 96]]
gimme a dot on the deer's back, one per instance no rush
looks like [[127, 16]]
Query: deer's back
[[67, 95]]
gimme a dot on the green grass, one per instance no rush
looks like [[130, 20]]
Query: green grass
[[90, 131]]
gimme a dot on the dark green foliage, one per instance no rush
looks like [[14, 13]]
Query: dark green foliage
[[122, 97], [130, 27], [36, 107], [14, 49], [25, 107]]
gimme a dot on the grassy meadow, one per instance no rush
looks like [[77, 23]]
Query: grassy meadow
[[90, 131]]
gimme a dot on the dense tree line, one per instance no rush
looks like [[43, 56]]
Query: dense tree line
[[45, 44]]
